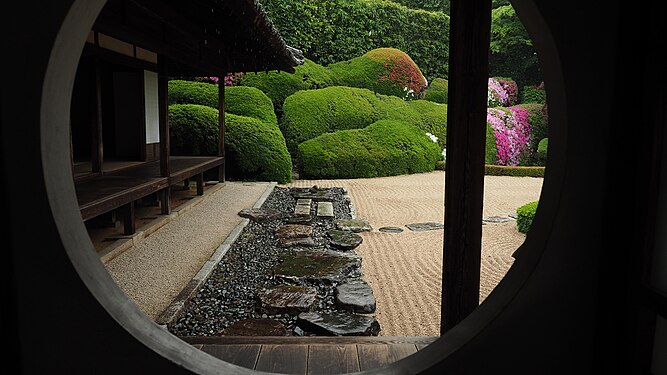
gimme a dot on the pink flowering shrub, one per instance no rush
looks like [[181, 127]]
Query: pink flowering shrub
[[502, 92], [512, 131], [231, 79]]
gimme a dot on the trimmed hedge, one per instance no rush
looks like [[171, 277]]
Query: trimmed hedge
[[387, 71], [534, 94], [384, 148], [542, 149], [256, 150], [437, 91], [503, 170], [278, 85], [525, 215], [308, 114], [193, 130], [239, 100]]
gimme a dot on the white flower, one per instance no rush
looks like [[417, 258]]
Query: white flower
[[433, 137]]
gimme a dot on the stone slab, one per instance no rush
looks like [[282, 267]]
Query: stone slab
[[325, 209]]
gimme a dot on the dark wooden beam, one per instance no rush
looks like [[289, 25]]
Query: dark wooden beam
[[129, 224], [466, 136], [163, 115], [221, 125], [96, 144]]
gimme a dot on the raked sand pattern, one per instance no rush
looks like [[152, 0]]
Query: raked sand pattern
[[405, 269]]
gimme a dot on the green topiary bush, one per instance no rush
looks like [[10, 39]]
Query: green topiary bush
[[437, 91], [387, 71], [239, 100], [542, 149], [431, 118], [279, 85], [491, 148], [256, 150], [525, 215], [193, 130], [385, 148], [308, 114]]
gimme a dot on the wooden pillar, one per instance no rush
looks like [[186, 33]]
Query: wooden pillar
[[96, 144], [163, 118], [200, 183], [464, 179], [129, 224], [221, 125]]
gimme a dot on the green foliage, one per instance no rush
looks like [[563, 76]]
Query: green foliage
[[491, 149], [437, 91], [329, 31], [239, 100], [387, 71], [519, 171], [542, 148], [308, 114], [278, 85], [385, 148], [534, 94], [525, 216], [435, 5], [539, 123], [193, 130], [256, 150], [251, 102], [192, 92], [512, 51]]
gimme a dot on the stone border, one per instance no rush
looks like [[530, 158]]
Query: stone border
[[173, 311]]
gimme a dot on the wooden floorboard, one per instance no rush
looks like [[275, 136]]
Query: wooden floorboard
[[283, 359], [332, 359], [240, 355], [374, 356]]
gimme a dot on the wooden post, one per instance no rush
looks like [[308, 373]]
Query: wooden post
[[129, 225], [163, 118], [96, 144], [466, 136], [200, 183], [221, 125]]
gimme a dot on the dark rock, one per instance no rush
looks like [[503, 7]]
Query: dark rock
[[338, 324], [292, 242], [320, 266], [288, 299], [344, 240], [356, 296], [256, 327], [354, 225], [496, 219], [289, 231], [421, 227], [300, 220], [391, 229], [260, 215], [314, 193]]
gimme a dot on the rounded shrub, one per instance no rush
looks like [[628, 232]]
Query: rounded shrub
[[250, 102], [542, 149], [516, 131], [437, 91], [308, 114], [534, 94], [193, 92], [502, 92], [256, 150], [193, 130], [278, 85], [525, 215], [387, 71], [384, 148], [432, 118]]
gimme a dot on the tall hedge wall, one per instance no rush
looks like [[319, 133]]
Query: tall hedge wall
[[329, 31]]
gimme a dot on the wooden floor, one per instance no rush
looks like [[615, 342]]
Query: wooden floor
[[310, 355]]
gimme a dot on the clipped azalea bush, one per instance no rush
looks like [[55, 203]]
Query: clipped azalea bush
[[437, 91], [384, 148], [534, 94], [502, 92], [239, 100], [387, 71], [525, 215], [512, 130], [278, 85], [256, 150], [193, 130], [542, 149]]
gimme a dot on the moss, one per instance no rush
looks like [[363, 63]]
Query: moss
[[525, 215], [437, 91], [385, 148], [387, 71], [256, 150]]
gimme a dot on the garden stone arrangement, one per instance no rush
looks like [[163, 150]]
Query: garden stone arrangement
[[292, 271]]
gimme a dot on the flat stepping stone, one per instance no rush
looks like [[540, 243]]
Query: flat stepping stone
[[354, 225], [287, 299], [256, 327], [344, 239], [319, 266], [260, 215], [391, 229], [338, 324], [496, 219], [325, 209], [293, 242], [356, 296], [422, 227], [300, 220], [313, 193], [302, 207], [288, 231]]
